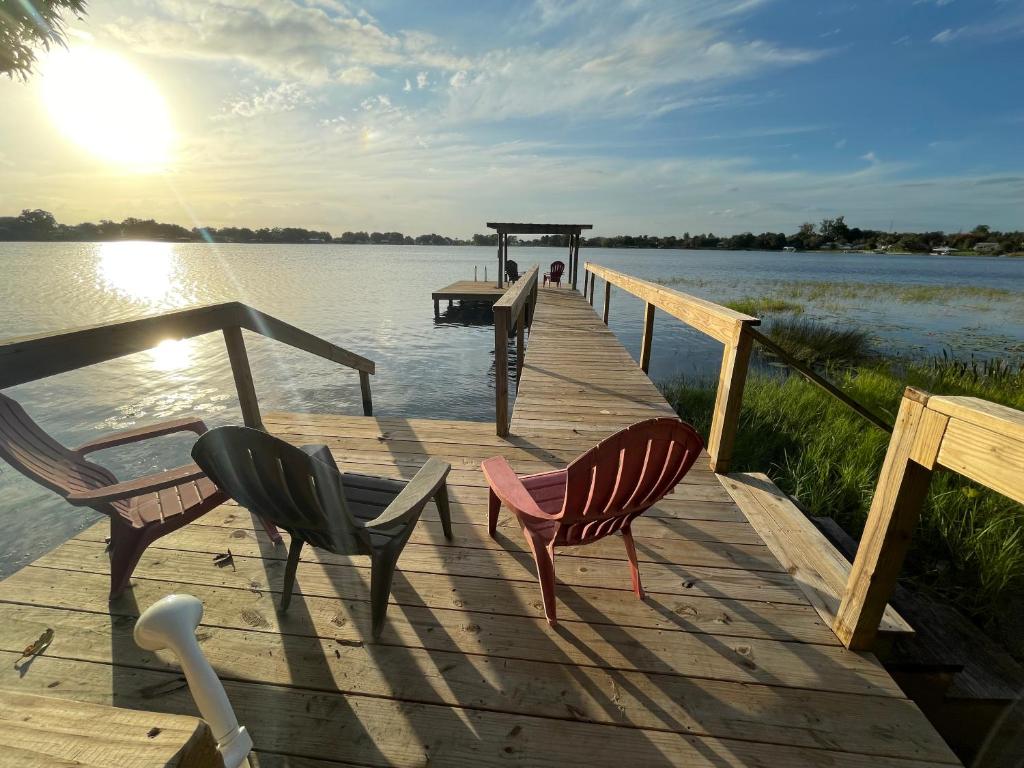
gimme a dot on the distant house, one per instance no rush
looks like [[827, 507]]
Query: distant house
[[789, 249], [988, 248], [942, 250]]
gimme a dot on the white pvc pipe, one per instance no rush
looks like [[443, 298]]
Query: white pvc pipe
[[171, 623]]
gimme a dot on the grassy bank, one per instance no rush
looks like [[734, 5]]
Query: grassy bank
[[969, 547]]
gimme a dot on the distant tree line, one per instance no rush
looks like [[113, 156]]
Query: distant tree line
[[829, 234], [41, 225]]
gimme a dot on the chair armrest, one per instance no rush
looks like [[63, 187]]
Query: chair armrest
[[510, 489], [186, 424], [408, 504], [130, 488]]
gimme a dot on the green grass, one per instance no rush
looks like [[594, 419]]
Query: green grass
[[969, 546], [765, 305], [818, 343], [813, 291]]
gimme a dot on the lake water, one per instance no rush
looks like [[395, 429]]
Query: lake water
[[375, 300]]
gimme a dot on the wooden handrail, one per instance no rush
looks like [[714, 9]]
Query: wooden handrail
[[728, 326], [713, 319], [808, 373], [975, 438], [513, 309], [29, 358]]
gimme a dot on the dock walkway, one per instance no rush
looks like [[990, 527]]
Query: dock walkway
[[725, 663]]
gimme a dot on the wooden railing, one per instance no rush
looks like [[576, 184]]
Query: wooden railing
[[721, 323], [513, 310], [36, 357], [975, 438]]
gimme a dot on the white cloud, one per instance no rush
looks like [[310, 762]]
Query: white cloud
[[281, 98], [279, 38], [626, 59], [871, 157], [841, 144], [422, 80], [947, 35], [408, 86], [458, 80]]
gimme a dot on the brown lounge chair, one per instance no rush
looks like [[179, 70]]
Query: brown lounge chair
[[140, 511]]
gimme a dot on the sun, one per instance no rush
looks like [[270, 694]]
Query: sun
[[108, 107]]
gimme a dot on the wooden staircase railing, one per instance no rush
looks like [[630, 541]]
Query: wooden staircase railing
[[29, 358]]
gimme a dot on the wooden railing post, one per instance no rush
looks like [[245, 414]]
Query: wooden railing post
[[520, 345], [243, 377], [364, 388], [895, 509], [607, 300], [593, 277], [648, 337], [729, 398], [501, 370]]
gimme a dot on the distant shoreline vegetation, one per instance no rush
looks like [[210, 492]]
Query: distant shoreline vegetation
[[830, 235]]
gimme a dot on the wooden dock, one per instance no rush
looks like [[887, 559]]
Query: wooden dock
[[725, 663], [468, 292]]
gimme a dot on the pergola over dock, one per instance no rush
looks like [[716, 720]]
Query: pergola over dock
[[572, 230]]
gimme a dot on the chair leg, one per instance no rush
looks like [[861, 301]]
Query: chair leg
[[126, 547], [382, 571], [627, 538], [289, 572], [271, 529], [444, 510], [493, 508], [544, 556]]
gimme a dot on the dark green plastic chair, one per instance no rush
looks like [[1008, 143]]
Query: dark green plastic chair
[[302, 491]]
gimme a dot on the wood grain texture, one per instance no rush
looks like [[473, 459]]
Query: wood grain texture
[[38, 731], [725, 663]]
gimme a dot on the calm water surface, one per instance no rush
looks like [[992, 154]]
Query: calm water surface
[[375, 300]]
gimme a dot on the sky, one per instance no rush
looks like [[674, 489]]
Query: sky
[[658, 117]]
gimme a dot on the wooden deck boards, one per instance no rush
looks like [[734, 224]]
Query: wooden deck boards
[[476, 291], [724, 664]]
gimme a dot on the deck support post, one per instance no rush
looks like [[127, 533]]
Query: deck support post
[[501, 260], [648, 337], [607, 300], [729, 398], [586, 281], [895, 509], [574, 244], [593, 277], [364, 388], [243, 377], [501, 318], [437, 308]]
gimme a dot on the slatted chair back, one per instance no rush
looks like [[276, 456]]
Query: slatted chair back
[[29, 449], [280, 483], [557, 268], [624, 475], [511, 270]]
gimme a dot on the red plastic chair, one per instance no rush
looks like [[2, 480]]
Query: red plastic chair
[[599, 493], [555, 275]]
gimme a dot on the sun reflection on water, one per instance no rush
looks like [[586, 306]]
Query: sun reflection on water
[[172, 354], [140, 271]]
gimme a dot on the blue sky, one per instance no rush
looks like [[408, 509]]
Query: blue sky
[[659, 117]]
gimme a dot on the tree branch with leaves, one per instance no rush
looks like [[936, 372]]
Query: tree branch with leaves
[[28, 26]]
